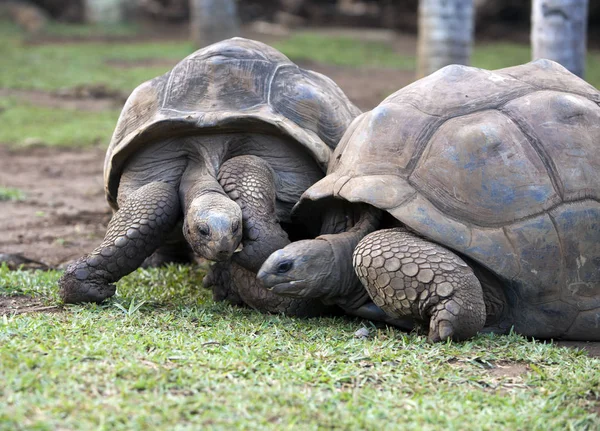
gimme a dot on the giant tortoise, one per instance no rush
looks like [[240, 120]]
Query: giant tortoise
[[238, 102], [485, 188]]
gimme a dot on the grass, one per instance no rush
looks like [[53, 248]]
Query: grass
[[25, 124], [181, 361], [343, 51], [52, 67], [90, 30], [11, 194]]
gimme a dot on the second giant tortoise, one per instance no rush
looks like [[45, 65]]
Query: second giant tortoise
[[489, 185]]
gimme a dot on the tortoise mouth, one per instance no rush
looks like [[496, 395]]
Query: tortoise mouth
[[292, 289]]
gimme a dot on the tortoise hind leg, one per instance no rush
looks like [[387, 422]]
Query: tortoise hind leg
[[408, 276], [134, 232], [174, 249]]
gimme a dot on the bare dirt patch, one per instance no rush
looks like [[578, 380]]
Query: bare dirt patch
[[64, 214], [505, 376], [509, 370], [21, 304]]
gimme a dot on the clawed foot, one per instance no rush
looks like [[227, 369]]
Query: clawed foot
[[456, 319], [80, 285]]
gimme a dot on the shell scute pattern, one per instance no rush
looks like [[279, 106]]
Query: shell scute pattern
[[217, 84], [231, 86]]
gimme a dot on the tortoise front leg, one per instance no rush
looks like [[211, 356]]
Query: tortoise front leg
[[408, 276], [250, 182], [134, 232]]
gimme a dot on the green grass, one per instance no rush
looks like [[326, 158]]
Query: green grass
[[90, 31], [342, 51], [11, 194], [23, 124], [181, 361], [52, 67]]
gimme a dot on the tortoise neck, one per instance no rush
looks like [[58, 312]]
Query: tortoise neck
[[347, 290], [199, 181]]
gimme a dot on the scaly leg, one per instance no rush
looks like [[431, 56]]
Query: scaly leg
[[408, 276], [250, 182], [134, 233]]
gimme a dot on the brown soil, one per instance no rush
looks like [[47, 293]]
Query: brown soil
[[592, 348], [64, 214], [21, 304], [508, 370]]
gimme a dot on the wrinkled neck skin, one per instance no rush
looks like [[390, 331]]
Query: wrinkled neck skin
[[346, 289], [212, 221], [199, 183], [200, 176]]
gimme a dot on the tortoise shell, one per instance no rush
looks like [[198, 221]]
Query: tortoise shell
[[234, 85], [501, 166]]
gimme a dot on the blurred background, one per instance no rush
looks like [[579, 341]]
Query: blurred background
[[68, 66]]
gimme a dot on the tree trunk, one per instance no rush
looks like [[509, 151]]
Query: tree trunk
[[213, 20], [559, 32], [445, 34], [104, 11]]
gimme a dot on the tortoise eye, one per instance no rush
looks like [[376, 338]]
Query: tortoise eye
[[284, 266], [204, 230], [235, 227]]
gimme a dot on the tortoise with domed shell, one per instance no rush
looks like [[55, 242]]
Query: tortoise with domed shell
[[478, 195], [215, 151]]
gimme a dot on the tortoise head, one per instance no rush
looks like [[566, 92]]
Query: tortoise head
[[302, 269], [213, 226]]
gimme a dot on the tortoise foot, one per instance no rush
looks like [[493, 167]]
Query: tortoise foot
[[75, 290]]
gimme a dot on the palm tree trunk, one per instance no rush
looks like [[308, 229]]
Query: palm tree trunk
[[559, 31], [445, 34], [213, 20]]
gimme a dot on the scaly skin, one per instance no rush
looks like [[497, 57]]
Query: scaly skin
[[134, 233], [321, 268], [408, 276], [250, 182]]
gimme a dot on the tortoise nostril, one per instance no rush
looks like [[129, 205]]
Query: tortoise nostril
[[223, 253]]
